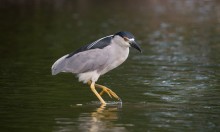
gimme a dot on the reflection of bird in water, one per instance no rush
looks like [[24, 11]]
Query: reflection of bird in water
[[105, 113], [93, 60], [101, 120]]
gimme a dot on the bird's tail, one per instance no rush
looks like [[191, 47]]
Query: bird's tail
[[58, 66]]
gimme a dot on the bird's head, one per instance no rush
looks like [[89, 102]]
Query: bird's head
[[128, 39]]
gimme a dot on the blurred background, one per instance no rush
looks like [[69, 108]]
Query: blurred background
[[172, 86]]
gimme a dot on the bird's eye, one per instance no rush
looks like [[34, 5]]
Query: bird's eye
[[126, 39]]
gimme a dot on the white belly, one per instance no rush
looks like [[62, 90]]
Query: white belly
[[88, 76]]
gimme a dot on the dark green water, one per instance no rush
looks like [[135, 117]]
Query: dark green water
[[172, 86]]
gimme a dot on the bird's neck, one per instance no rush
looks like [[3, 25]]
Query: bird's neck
[[121, 51]]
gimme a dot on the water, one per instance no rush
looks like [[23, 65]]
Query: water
[[172, 86]]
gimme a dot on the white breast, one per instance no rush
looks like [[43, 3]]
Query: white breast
[[117, 55]]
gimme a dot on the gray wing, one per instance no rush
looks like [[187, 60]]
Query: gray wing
[[86, 58], [100, 44], [86, 61]]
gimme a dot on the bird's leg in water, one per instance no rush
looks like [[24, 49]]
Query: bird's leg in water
[[105, 90], [108, 91], [92, 86]]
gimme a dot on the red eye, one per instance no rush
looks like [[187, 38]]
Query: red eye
[[126, 39]]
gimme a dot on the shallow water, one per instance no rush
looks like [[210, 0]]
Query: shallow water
[[172, 86]]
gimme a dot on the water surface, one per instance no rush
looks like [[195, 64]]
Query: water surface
[[172, 86]]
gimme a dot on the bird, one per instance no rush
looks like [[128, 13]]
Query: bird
[[95, 59]]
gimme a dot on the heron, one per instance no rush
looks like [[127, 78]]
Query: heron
[[95, 59]]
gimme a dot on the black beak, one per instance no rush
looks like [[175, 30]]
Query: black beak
[[135, 45]]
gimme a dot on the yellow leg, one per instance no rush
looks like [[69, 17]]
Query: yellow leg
[[108, 91], [92, 86]]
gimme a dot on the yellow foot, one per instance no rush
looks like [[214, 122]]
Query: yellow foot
[[108, 91], [104, 90]]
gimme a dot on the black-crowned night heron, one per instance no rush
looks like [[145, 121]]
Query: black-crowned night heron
[[93, 60]]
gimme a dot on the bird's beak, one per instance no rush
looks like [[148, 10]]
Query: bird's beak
[[135, 45]]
